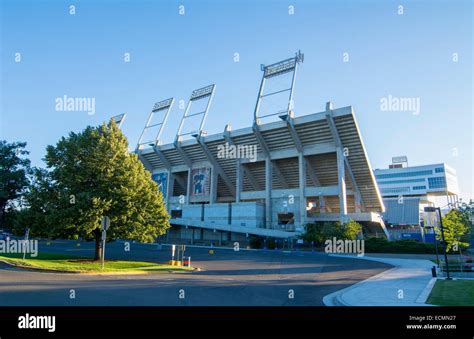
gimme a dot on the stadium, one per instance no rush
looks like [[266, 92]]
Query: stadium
[[267, 180]]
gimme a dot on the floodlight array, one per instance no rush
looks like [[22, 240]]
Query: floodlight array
[[202, 92], [119, 119], [162, 105], [280, 68]]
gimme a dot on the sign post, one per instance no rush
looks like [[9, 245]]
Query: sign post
[[105, 226], [27, 235]]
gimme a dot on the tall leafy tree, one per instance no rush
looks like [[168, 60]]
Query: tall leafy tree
[[14, 168], [319, 232], [456, 227], [92, 174]]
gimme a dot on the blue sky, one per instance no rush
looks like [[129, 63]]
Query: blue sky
[[82, 55]]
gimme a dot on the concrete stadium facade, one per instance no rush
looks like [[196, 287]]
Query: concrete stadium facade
[[267, 180]]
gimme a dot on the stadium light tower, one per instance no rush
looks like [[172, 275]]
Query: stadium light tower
[[273, 71], [119, 119], [197, 95], [148, 138]]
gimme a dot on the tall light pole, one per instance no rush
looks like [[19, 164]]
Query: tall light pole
[[431, 209], [436, 244]]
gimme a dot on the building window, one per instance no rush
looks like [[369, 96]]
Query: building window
[[286, 219], [405, 181], [176, 214], [419, 187], [437, 182], [439, 170], [395, 190], [404, 174]]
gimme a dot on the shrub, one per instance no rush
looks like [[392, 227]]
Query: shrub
[[319, 232], [313, 233], [382, 245], [271, 243], [256, 242]]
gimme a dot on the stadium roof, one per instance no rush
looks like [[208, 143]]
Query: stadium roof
[[318, 134]]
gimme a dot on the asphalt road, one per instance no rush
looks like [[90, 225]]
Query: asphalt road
[[227, 278]]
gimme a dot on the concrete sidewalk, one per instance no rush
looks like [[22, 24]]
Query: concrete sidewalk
[[409, 283]]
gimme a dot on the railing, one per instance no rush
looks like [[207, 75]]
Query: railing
[[284, 227]]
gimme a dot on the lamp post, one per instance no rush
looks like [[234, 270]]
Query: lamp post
[[435, 242], [436, 247], [431, 209]]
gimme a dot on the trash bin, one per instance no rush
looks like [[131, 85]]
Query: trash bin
[[433, 271]]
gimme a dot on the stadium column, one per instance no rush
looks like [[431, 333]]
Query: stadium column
[[358, 202], [268, 192], [341, 181], [188, 191], [322, 204], [169, 189], [214, 181], [238, 180], [302, 184]]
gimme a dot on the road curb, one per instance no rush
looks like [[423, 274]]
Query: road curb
[[131, 272], [423, 297], [337, 298]]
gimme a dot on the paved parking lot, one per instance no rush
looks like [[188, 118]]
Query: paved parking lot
[[227, 278]]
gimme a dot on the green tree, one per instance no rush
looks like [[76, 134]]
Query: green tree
[[468, 211], [456, 227], [313, 233], [352, 230], [13, 175], [322, 231], [92, 174], [42, 201]]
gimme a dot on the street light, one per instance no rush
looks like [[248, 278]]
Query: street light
[[430, 209], [435, 241]]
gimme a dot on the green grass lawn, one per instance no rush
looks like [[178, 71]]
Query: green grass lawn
[[452, 293], [59, 262]]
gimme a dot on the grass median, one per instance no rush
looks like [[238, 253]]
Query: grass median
[[452, 293], [67, 263]]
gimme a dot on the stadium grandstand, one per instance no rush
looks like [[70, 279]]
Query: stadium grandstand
[[267, 180]]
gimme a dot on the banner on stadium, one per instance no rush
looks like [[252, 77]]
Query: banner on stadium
[[201, 181], [162, 180]]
